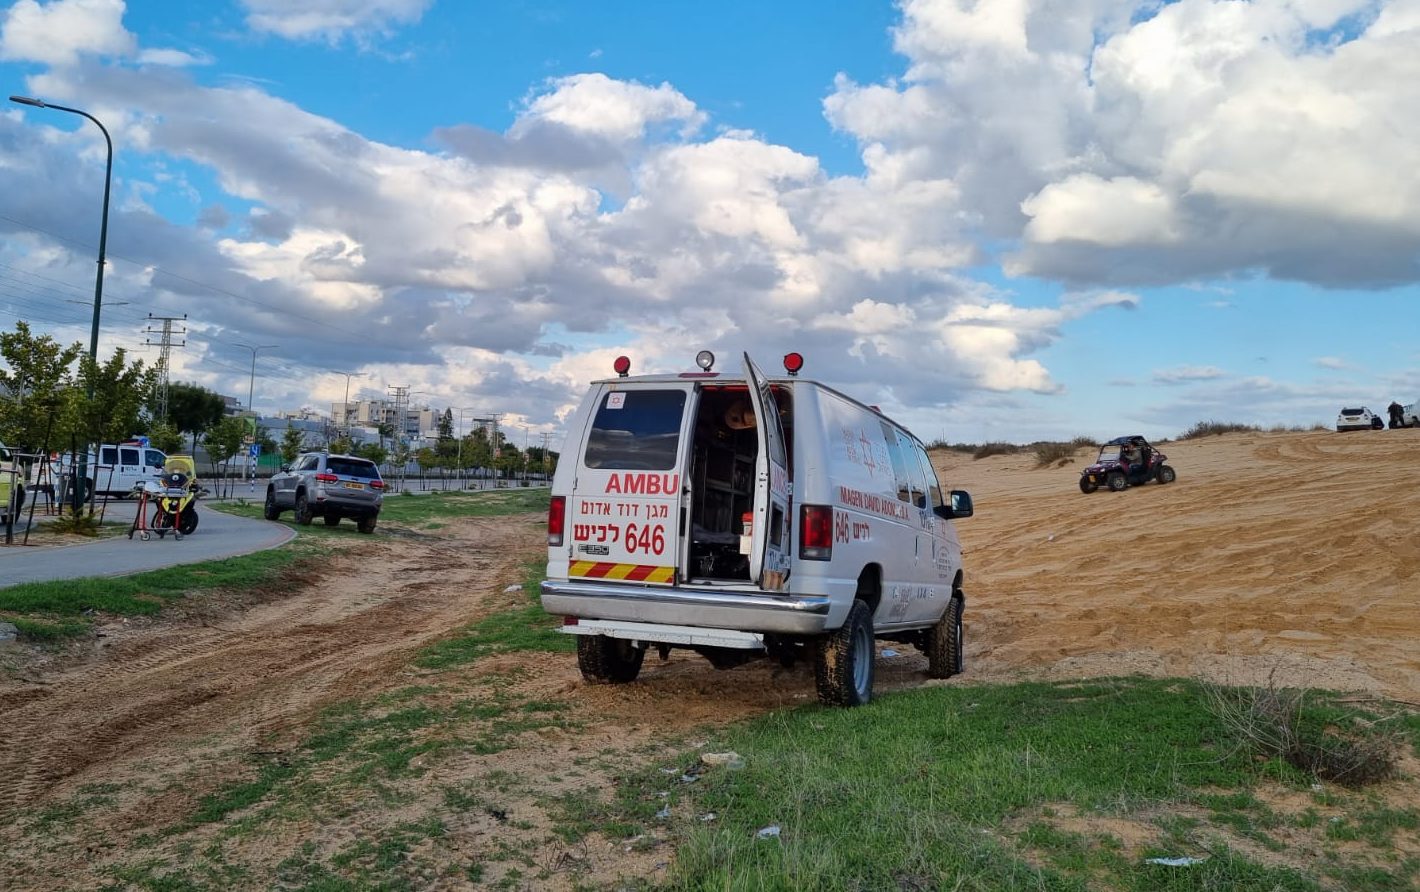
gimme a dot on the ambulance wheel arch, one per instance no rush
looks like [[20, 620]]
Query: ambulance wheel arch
[[870, 587]]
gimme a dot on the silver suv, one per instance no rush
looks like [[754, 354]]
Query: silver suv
[[329, 487]]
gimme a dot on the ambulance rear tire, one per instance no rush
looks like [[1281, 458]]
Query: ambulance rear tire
[[943, 642], [606, 660], [843, 666]]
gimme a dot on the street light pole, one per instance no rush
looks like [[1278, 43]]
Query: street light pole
[[251, 388], [345, 406], [83, 475], [251, 383]]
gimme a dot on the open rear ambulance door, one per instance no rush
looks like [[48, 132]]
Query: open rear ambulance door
[[769, 545], [623, 516]]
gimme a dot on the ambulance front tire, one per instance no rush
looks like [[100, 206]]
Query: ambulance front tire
[[187, 521], [606, 660], [943, 642], [843, 665]]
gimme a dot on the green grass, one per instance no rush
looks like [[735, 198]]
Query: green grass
[[63, 608], [419, 510], [53, 611], [936, 788], [525, 628]]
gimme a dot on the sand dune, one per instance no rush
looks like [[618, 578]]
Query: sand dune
[[1289, 553]]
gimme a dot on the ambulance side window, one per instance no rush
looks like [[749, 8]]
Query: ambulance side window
[[899, 464], [636, 430], [914, 470], [934, 489], [153, 457], [108, 455]]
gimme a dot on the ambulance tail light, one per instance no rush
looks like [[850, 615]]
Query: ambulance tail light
[[816, 533], [556, 518]]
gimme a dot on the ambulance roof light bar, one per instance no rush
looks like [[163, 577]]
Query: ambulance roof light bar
[[792, 363], [622, 365]]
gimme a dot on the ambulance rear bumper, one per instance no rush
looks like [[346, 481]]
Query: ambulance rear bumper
[[687, 606]]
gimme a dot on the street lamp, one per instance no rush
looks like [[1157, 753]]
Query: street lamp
[[255, 420], [83, 474], [103, 225], [345, 406], [251, 383]]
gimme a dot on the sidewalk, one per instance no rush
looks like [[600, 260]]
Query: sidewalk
[[218, 536]]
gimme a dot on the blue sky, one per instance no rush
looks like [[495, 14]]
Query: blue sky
[[997, 221]]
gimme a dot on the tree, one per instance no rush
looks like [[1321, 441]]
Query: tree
[[32, 388], [426, 458], [193, 409], [224, 440], [165, 437], [291, 444], [446, 425], [477, 453], [373, 452], [106, 403]]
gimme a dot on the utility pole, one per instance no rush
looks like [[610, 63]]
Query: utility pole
[[545, 437], [165, 346]]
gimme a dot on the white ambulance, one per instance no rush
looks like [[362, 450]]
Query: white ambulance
[[742, 516]]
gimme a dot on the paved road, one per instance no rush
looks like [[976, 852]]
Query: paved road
[[218, 536]]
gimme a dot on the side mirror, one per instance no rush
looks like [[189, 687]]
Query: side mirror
[[285, 469], [960, 506]]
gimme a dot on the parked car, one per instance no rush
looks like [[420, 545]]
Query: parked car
[[12, 485], [329, 487], [1361, 419], [741, 516], [1124, 462]]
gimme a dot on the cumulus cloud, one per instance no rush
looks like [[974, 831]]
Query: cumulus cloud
[[1332, 363], [59, 32], [1102, 145], [330, 20], [1146, 143]]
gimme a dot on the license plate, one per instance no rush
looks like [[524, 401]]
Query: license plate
[[354, 486]]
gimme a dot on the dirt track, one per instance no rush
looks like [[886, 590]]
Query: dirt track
[[249, 674], [1293, 553]]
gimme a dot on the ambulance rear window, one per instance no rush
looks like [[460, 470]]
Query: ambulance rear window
[[636, 430]]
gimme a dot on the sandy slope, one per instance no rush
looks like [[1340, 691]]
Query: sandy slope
[[1290, 552]]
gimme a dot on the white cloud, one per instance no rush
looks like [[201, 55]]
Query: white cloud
[[1187, 373], [173, 58], [330, 20], [1333, 363], [59, 32], [618, 110], [1137, 142]]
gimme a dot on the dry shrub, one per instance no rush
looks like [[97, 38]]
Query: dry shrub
[[1051, 453], [1214, 428], [1273, 722], [986, 449]]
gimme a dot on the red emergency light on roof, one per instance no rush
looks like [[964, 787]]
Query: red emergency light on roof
[[793, 362], [622, 365]]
